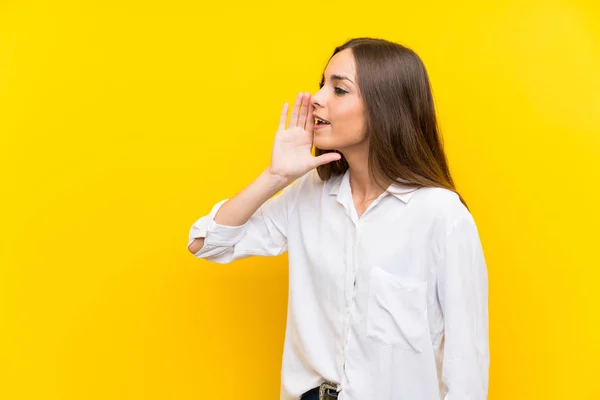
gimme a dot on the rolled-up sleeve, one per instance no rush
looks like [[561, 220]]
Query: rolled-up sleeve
[[264, 234], [462, 285]]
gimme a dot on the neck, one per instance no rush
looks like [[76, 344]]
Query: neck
[[363, 187]]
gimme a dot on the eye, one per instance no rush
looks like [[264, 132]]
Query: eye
[[339, 91]]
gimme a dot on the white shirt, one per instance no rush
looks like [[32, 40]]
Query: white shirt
[[391, 306]]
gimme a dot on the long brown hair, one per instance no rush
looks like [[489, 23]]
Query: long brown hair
[[400, 120]]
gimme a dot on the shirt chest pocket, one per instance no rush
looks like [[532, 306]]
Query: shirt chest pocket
[[397, 311]]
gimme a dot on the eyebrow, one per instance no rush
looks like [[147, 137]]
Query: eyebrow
[[335, 77]]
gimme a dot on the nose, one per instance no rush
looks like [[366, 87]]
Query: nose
[[316, 101]]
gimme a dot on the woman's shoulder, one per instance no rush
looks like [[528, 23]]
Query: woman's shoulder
[[442, 203]]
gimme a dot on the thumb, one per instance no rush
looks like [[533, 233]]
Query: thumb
[[326, 158]]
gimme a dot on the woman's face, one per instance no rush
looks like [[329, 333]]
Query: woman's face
[[339, 103]]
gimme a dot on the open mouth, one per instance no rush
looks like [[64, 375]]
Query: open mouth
[[319, 121]]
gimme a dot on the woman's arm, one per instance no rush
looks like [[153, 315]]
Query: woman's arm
[[264, 233], [462, 285], [238, 210]]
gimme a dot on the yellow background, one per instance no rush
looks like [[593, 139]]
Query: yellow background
[[122, 122]]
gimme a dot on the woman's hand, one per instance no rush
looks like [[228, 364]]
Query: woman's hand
[[292, 151]]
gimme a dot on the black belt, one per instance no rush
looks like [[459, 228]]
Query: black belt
[[326, 391]]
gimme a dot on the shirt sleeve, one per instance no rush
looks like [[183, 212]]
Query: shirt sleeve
[[463, 294], [264, 234]]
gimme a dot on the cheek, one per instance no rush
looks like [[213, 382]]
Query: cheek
[[352, 121], [348, 132], [351, 114]]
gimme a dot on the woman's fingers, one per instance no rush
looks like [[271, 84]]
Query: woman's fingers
[[303, 110], [296, 110], [301, 113], [310, 121], [283, 117]]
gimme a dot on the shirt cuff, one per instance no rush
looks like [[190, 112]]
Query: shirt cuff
[[220, 235]]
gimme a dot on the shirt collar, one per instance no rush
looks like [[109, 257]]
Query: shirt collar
[[340, 186]]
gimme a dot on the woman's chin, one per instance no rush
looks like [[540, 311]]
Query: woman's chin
[[322, 144]]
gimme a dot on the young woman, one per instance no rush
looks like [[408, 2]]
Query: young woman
[[388, 290]]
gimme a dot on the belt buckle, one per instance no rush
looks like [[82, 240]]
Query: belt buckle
[[323, 387]]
